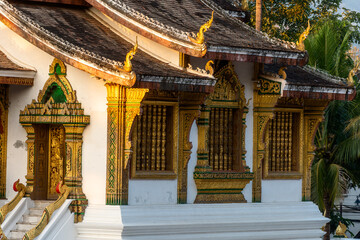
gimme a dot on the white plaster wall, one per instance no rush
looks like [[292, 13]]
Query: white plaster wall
[[147, 192], [245, 72], [90, 92], [281, 190], [191, 186]]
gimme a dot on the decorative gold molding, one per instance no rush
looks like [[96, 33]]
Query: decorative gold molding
[[68, 112], [123, 106], [269, 87], [4, 105]]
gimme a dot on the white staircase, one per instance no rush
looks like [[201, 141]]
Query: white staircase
[[29, 220]]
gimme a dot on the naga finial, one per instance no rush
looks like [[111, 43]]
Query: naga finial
[[200, 35], [245, 5], [282, 73], [354, 54], [127, 66], [209, 68], [300, 44], [352, 73]]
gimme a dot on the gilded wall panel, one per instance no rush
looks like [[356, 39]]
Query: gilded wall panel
[[123, 106], [4, 104]]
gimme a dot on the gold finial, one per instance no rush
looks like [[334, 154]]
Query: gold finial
[[245, 5], [209, 68], [354, 55], [300, 44], [282, 72], [352, 73], [129, 56], [340, 230], [200, 35]]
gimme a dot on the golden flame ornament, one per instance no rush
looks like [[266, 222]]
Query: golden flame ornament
[[200, 35], [300, 44]]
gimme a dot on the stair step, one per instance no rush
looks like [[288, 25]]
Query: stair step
[[31, 219], [17, 234], [24, 226], [36, 211], [42, 203]]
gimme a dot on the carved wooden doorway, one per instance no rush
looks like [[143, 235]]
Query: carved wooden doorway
[[49, 160]]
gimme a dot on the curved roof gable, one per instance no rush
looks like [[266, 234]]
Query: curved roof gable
[[75, 37], [171, 22]]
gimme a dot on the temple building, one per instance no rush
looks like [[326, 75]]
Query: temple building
[[162, 119]]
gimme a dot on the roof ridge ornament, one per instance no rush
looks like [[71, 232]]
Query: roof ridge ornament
[[282, 73], [300, 44], [209, 67], [127, 67], [200, 35]]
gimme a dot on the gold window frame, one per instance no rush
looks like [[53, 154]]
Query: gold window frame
[[158, 174], [269, 175]]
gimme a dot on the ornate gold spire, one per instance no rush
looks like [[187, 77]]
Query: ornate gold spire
[[200, 35], [300, 44]]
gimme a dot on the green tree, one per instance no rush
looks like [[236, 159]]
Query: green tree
[[287, 19], [336, 162]]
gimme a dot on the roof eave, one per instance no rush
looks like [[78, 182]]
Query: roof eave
[[320, 93], [177, 84], [259, 56], [122, 78]]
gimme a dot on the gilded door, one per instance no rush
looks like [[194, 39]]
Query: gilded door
[[49, 160]]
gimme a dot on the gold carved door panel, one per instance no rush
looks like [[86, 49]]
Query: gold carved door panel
[[41, 162], [49, 160], [56, 159]]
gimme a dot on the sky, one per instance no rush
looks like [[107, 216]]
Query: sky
[[352, 4]]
